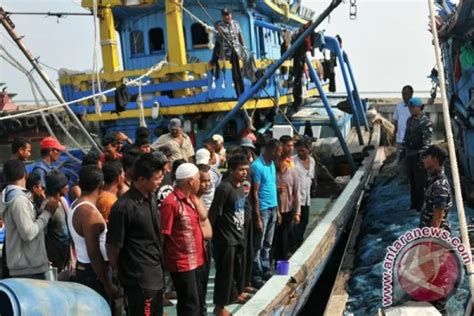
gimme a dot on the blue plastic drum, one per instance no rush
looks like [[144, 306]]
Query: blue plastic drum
[[27, 297]]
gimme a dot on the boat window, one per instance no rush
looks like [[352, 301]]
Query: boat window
[[199, 36], [136, 43], [261, 41], [157, 40]]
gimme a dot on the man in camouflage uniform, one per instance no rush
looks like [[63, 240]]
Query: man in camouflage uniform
[[229, 37], [438, 199], [417, 139]]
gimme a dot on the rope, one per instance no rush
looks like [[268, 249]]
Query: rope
[[95, 73], [34, 88], [452, 151], [154, 68], [140, 105]]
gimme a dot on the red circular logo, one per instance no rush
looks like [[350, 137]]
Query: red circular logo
[[428, 271]]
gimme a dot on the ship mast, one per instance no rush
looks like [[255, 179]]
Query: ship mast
[[175, 34], [9, 27]]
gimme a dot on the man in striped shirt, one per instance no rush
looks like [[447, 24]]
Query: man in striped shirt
[[438, 198]]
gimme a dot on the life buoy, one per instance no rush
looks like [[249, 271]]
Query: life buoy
[[30, 122], [14, 125]]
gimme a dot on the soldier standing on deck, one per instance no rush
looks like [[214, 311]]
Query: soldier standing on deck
[[417, 139], [229, 37], [438, 200]]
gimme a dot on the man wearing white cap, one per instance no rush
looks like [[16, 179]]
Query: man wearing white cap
[[220, 150], [178, 142], [184, 225], [203, 158]]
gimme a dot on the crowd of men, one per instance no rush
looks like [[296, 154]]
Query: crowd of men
[[145, 219]]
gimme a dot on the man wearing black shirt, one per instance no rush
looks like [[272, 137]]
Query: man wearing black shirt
[[134, 244], [227, 218]]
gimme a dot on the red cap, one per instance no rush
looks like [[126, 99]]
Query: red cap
[[51, 142]]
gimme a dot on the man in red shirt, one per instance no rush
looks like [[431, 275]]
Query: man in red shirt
[[110, 147], [184, 254]]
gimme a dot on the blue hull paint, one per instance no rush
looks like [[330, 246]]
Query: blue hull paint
[[460, 86]]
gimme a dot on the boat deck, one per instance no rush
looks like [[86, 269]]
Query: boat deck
[[380, 227], [319, 207]]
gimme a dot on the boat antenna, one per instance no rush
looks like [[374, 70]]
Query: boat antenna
[[452, 151], [10, 28]]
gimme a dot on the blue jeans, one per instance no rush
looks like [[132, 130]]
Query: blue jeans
[[263, 244]]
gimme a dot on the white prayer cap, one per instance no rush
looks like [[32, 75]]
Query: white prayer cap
[[218, 138], [203, 156], [185, 171]]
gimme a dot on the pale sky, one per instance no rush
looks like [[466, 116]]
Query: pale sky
[[388, 44]]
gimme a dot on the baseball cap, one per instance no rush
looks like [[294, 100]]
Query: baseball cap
[[51, 142], [226, 11], [218, 138], [174, 124], [415, 101], [246, 142], [55, 181], [203, 156], [436, 151]]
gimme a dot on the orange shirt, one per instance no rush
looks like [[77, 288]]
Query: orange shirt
[[104, 203]]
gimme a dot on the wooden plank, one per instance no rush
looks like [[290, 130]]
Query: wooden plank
[[339, 296]]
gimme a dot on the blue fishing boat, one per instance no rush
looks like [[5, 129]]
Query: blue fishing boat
[[456, 40], [146, 32], [165, 49]]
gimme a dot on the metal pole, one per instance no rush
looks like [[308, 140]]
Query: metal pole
[[9, 27], [334, 46], [452, 151], [332, 118], [261, 82], [356, 95]]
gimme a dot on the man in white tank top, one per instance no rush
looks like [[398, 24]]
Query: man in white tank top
[[88, 229]]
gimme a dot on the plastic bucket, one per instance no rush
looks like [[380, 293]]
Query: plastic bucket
[[283, 266], [36, 297]]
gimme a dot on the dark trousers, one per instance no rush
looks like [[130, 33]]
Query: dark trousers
[[5, 271], [85, 275], [283, 241], [190, 290], [301, 227], [229, 266], [58, 253], [144, 301], [417, 178], [247, 257]]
